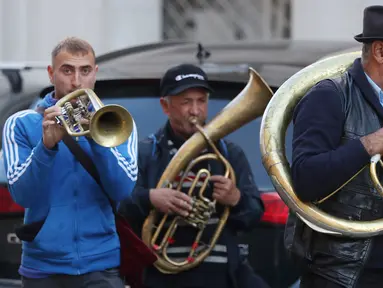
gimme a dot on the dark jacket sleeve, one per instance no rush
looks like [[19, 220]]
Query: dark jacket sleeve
[[136, 207], [321, 164], [249, 210], [140, 195]]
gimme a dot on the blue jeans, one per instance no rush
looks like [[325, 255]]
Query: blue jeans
[[109, 278]]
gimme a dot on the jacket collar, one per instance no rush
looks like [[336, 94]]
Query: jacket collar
[[46, 102], [357, 73], [165, 134]]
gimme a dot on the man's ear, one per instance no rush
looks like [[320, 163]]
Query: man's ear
[[50, 73], [165, 105], [377, 50]]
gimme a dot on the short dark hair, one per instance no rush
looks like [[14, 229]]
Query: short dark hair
[[72, 45]]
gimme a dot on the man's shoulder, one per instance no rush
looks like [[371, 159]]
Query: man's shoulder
[[231, 147], [27, 117], [147, 140], [151, 139], [323, 95], [325, 85], [235, 155], [147, 145]]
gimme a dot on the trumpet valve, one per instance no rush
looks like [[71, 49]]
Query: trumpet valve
[[68, 108], [73, 116]]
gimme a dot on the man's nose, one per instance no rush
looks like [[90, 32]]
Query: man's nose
[[194, 110], [76, 81]]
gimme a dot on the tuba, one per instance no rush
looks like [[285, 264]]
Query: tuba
[[245, 107], [83, 114], [277, 116]]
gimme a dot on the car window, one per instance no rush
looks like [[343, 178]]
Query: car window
[[149, 117]]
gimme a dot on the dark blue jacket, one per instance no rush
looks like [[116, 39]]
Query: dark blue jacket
[[154, 156], [327, 151]]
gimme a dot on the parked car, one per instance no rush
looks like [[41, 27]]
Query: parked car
[[130, 77], [16, 81]]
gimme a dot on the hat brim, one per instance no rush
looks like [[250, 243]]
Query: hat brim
[[183, 88], [362, 39]]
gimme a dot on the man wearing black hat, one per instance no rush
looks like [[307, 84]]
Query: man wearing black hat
[[184, 92], [337, 128]]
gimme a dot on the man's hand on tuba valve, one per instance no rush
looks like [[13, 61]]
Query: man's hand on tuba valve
[[171, 201]]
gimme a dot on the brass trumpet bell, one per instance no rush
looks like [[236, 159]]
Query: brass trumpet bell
[[83, 114], [111, 125]]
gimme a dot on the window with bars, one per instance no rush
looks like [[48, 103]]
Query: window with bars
[[226, 20]]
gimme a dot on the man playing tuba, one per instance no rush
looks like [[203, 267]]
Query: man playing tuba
[[337, 128], [184, 95]]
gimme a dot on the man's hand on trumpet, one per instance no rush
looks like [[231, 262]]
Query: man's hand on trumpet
[[52, 131]]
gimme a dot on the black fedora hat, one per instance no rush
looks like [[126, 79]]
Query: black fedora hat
[[372, 25]]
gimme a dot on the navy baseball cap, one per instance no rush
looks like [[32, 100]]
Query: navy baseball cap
[[182, 77]]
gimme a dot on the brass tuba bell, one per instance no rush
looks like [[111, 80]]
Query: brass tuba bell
[[245, 107], [83, 114], [276, 118]]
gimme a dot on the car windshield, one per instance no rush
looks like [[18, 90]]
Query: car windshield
[[149, 117]]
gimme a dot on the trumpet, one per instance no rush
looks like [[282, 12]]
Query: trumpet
[[83, 114]]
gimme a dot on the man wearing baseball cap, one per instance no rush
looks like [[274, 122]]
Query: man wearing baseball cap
[[184, 95], [189, 85]]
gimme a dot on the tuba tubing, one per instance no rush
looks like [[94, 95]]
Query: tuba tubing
[[277, 116], [248, 105]]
